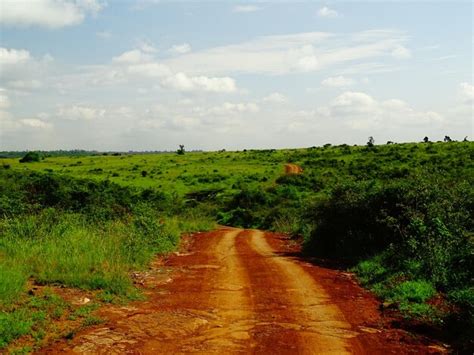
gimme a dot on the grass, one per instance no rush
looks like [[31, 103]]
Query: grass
[[35, 316], [169, 172]]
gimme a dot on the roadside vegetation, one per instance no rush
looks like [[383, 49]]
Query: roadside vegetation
[[60, 231], [399, 215]]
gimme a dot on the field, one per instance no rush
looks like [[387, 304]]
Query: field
[[399, 215]]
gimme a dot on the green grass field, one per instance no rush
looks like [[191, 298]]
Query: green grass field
[[164, 171]]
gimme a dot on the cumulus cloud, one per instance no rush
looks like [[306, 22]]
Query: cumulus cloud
[[229, 108], [362, 111], [147, 47], [48, 13], [35, 123], [21, 71], [80, 112], [136, 67], [338, 81], [400, 52], [13, 56], [9, 123], [246, 8], [183, 82], [276, 98], [152, 70], [131, 57], [327, 12], [180, 48], [467, 91]]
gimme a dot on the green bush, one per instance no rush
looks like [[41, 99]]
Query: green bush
[[413, 291], [31, 157]]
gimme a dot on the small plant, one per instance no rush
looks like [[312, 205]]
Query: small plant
[[181, 150], [370, 142]]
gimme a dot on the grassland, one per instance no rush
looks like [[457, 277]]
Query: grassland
[[399, 215]]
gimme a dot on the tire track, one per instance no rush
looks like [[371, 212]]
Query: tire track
[[299, 309]]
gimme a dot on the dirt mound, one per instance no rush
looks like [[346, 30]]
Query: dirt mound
[[293, 169]]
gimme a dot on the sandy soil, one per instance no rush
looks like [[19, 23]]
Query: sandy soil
[[245, 291], [293, 169]]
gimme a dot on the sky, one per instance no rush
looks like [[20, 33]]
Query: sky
[[150, 74]]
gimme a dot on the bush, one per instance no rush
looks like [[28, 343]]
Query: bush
[[413, 291], [31, 157]]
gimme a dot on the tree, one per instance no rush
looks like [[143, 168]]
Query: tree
[[447, 139], [30, 157], [426, 140], [181, 150], [465, 139], [370, 142]]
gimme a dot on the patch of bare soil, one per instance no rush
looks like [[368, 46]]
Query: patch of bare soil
[[293, 169]]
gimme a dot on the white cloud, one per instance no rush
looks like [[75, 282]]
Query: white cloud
[[21, 71], [400, 52], [147, 47], [48, 13], [136, 67], [337, 81], [360, 114], [294, 53], [80, 112], [182, 123], [229, 108], [8, 123], [25, 84], [13, 56], [132, 57], [327, 12], [362, 111], [246, 8], [467, 91], [4, 100], [35, 123], [180, 48], [183, 82], [152, 70], [275, 97], [308, 63]]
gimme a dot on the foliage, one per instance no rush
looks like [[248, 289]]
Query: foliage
[[31, 157]]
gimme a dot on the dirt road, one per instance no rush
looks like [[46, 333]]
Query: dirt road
[[239, 291]]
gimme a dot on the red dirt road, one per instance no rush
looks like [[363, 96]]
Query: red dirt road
[[235, 291]]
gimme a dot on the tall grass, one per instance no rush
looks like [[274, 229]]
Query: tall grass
[[63, 248]]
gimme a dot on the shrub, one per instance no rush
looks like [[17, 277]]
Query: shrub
[[413, 291], [31, 157]]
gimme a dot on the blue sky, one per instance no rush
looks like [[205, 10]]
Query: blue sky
[[149, 75]]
